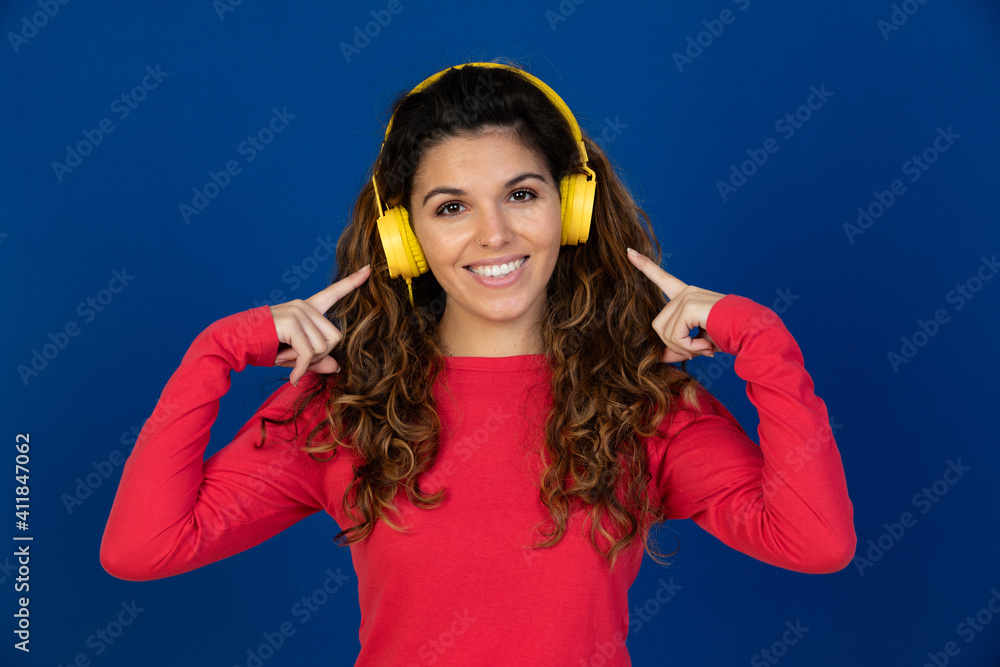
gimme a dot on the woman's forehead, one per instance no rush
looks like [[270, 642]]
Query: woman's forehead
[[494, 155]]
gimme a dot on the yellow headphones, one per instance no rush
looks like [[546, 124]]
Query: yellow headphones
[[576, 191]]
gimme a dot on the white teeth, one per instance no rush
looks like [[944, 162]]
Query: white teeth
[[497, 270]]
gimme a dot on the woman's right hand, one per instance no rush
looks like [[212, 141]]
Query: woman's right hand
[[307, 334]]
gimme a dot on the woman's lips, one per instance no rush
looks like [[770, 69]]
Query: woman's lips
[[499, 281]]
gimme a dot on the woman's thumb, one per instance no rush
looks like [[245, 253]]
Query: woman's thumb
[[325, 365]]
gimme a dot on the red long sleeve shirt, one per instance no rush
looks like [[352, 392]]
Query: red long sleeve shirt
[[463, 586]]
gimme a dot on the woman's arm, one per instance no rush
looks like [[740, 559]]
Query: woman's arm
[[784, 502], [175, 512]]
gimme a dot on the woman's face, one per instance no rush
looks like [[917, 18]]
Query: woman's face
[[489, 189]]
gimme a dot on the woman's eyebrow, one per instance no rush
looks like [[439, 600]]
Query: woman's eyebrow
[[446, 190]]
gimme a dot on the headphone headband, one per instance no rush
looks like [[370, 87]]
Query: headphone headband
[[541, 85]]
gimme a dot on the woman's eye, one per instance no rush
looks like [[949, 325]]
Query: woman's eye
[[446, 209], [523, 192]]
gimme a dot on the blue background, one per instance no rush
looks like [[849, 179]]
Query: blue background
[[674, 129]]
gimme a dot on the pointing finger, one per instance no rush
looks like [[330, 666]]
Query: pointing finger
[[323, 300], [670, 285]]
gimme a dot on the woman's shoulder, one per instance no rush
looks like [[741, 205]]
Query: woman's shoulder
[[692, 405], [294, 411]]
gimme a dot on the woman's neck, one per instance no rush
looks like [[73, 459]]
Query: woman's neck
[[480, 338]]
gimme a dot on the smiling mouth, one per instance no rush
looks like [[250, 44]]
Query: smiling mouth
[[498, 270]]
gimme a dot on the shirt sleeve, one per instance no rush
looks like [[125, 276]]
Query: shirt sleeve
[[174, 511], [783, 502]]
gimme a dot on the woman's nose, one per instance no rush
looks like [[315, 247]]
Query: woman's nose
[[494, 229]]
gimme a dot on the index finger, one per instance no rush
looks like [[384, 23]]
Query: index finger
[[670, 285], [323, 300]]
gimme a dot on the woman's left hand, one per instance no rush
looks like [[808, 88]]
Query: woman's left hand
[[688, 309]]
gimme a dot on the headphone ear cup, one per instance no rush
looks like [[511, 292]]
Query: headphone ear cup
[[414, 253], [588, 190], [403, 254], [391, 243], [564, 196], [577, 208]]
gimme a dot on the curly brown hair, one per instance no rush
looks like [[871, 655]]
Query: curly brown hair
[[609, 387]]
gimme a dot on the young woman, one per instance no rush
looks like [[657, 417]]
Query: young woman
[[497, 432]]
